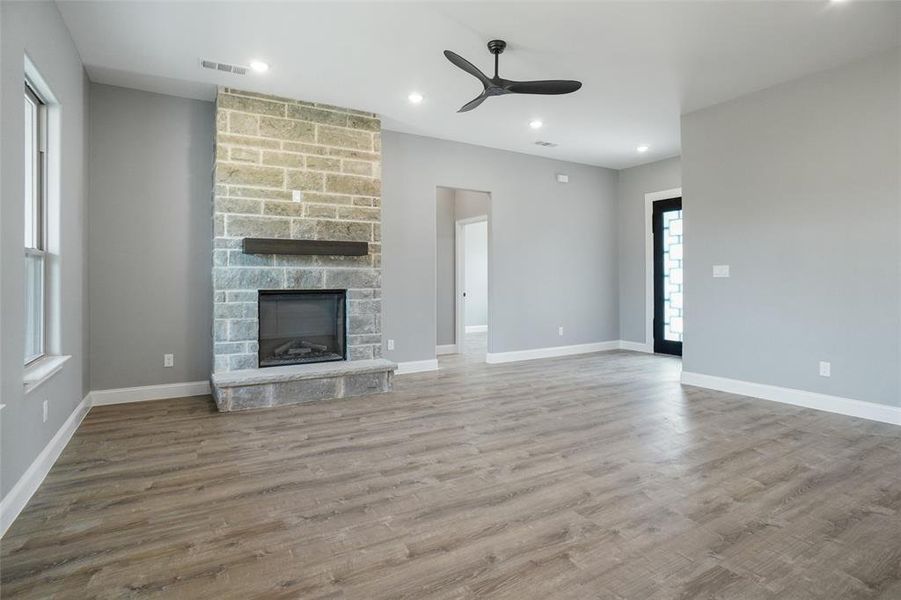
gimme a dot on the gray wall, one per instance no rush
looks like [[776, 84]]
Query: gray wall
[[445, 264], [552, 246], [475, 253], [797, 188], [634, 183], [150, 238], [469, 204], [37, 29]]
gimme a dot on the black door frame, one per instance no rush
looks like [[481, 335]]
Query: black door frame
[[661, 345]]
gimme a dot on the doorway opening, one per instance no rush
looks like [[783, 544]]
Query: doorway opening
[[462, 273], [668, 276]]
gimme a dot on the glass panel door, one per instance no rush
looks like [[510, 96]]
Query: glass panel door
[[668, 291]]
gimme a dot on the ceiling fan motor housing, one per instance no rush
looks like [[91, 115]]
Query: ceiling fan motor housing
[[497, 46]]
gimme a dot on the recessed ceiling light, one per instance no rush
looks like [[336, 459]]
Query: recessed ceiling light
[[643, 148], [259, 66], [415, 97], [536, 124]]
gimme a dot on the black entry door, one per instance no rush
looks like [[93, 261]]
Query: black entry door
[[668, 297]]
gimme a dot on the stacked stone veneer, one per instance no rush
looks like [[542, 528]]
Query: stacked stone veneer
[[266, 148]]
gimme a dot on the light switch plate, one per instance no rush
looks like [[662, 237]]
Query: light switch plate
[[296, 195], [390, 344], [561, 178], [721, 270]]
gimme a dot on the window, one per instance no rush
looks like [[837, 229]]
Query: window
[[672, 275], [35, 223]]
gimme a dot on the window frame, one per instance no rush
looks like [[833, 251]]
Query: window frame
[[37, 206]]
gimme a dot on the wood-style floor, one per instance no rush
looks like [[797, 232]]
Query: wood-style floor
[[586, 477]]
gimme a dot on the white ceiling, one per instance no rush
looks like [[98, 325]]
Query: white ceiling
[[642, 63]]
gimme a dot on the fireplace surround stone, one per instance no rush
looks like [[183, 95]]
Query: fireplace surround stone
[[287, 169], [292, 170], [297, 384]]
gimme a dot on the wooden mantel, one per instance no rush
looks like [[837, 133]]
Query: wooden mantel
[[308, 247]]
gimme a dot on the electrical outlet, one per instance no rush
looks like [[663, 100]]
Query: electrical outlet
[[296, 195], [168, 360], [390, 344], [825, 369], [46, 410], [560, 330]]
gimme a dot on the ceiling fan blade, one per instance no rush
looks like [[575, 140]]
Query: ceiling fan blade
[[473, 103], [467, 66], [550, 86]]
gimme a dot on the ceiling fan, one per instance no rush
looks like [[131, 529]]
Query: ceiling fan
[[497, 86]]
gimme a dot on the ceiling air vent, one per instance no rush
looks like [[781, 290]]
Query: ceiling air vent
[[224, 67], [545, 144]]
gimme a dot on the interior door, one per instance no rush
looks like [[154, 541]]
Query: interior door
[[668, 286]]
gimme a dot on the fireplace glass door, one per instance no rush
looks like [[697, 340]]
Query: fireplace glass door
[[301, 326]]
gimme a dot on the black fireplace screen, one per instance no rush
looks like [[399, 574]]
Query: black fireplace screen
[[302, 326]]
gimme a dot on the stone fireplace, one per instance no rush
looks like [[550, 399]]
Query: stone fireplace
[[288, 172]]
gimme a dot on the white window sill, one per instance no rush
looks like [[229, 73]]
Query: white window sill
[[43, 369]]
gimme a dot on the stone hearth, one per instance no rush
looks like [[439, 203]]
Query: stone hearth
[[296, 384]]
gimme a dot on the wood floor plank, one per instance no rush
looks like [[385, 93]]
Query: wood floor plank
[[595, 476]]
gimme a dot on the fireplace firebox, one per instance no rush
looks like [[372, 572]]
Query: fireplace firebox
[[302, 326]]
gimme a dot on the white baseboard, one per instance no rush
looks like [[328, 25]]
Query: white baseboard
[[445, 349], [476, 328], [517, 355], [636, 346], [16, 499], [150, 392], [834, 404], [416, 366]]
